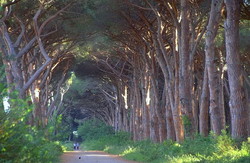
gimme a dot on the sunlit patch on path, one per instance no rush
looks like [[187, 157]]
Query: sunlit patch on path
[[91, 157]]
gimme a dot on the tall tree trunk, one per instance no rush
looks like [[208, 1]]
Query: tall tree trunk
[[137, 110], [184, 72], [204, 105], [125, 115], [238, 99], [154, 128], [213, 75], [145, 106], [120, 92], [169, 121], [157, 108], [175, 96]]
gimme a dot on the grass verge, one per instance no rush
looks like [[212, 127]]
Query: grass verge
[[200, 149]]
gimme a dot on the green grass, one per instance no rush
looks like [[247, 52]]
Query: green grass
[[200, 149]]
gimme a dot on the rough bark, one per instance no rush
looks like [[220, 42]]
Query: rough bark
[[185, 70], [213, 77], [204, 106], [170, 121], [238, 99], [145, 106]]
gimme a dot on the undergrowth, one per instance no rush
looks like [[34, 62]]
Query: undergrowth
[[20, 141], [200, 149], [67, 146]]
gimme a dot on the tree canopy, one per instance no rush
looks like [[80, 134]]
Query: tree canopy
[[157, 69]]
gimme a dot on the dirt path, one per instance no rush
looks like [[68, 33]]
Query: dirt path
[[91, 157]]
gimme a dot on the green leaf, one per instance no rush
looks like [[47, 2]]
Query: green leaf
[[1, 87]]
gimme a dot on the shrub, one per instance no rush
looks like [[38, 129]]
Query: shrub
[[20, 142], [246, 146], [67, 146], [94, 129], [199, 146]]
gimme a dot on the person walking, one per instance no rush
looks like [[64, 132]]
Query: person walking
[[77, 146]]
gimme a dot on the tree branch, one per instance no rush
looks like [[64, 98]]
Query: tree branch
[[34, 77]]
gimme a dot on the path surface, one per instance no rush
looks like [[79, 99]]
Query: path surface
[[91, 157]]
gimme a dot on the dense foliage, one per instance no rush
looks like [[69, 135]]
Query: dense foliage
[[20, 142], [201, 149], [94, 129]]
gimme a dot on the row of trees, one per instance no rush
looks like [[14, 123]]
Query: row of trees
[[179, 68], [37, 40], [175, 68]]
